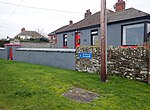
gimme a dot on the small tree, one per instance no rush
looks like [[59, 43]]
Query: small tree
[[41, 31]]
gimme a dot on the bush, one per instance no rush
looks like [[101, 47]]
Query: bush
[[42, 39], [3, 42]]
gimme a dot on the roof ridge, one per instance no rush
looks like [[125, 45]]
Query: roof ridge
[[94, 19]]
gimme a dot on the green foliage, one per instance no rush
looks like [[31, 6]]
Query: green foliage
[[36, 40], [3, 42], [33, 87]]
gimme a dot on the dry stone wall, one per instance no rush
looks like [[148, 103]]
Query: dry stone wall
[[131, 63]]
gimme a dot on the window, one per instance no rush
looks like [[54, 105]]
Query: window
[[65, 40], [148, 27], [133, 34], [94, 37]]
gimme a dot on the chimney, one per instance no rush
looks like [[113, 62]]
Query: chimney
[[70, 22], [23, 29], [88, 13], [120, 5]]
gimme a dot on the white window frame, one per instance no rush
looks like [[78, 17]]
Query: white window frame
[[94, 35], [65, 40], [148, 27], [127, 27]]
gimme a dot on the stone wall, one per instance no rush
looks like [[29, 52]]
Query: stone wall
[[131, 63]]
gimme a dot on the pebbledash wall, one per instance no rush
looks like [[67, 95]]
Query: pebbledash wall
[[2, 53], [131, 63], [35, 45], [60, 58]]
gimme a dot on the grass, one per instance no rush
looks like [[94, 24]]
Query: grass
[[34, 87]]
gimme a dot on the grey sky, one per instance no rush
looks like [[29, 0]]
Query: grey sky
[[13, 17]]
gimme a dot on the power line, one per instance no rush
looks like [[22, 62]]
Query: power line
[[12, 12], [7, 27], [40, 8]]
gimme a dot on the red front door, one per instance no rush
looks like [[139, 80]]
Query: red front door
[[77, 39], [11, 54]]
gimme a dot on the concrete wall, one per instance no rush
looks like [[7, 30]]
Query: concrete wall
[[7, 50], [60, 58], [35, 45], [2, 53]]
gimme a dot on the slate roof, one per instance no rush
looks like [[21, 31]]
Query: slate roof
[[58, 30], [94, 19], [33, 34]]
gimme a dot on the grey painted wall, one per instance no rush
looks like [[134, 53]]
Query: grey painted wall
[[35, 45], [60, 59], [70, 39], [7, 50], [2, 53], [60, 40], [86, 36], [113, 35]]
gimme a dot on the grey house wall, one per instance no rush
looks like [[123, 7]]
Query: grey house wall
[[2, 53], [86, 36], [57, 58], [60, 40], [70, 38], [114, 34]]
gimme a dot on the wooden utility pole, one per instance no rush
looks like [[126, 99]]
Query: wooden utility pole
[[103, 40], [148, 47]]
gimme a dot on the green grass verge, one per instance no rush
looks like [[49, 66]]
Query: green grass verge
[[34, 87]]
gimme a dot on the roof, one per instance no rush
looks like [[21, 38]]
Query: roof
[[57, 30], [30, 33], [94, 19]]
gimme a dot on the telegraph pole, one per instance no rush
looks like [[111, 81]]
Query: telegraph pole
[[103, 40]]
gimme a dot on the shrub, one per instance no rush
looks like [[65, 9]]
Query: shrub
[[3, 42]]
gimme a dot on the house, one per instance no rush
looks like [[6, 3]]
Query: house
[[24, 34], [125, 27]]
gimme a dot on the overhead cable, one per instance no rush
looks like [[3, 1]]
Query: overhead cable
[[12, 13], [41, 8]]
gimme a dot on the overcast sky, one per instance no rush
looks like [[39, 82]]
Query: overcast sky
[[14, 14]]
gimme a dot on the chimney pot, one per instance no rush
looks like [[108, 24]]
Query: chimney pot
[[88, 13], [23, 29], [70, 22], [120, 5]]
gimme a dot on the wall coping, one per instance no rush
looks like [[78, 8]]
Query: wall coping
[[12, 44], [2, 49], [47, 50]]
